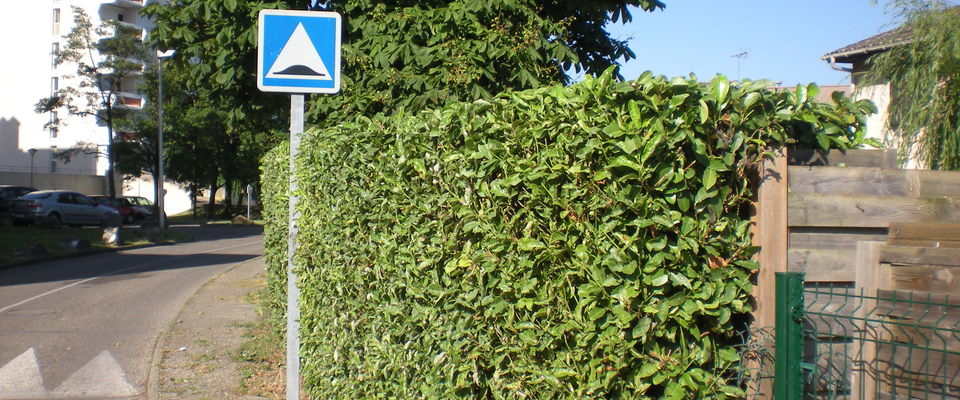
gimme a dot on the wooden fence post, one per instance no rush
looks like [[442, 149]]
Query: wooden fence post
[[770, 234]]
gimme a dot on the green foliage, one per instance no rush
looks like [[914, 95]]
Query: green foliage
[[216, 44], [924, 75], [415, 55], [275, 181], [564, 242], [397, 53]]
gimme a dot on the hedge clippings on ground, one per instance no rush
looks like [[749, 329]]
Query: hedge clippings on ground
[[575, 242]]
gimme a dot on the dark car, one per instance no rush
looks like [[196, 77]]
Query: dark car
[[143, 208], [122, 206], [10, 192], [61, 207]]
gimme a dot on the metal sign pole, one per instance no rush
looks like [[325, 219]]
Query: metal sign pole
[[293, 291], [249, 200], [303, 60]]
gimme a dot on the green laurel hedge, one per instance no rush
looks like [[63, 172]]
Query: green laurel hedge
[[568, 242]]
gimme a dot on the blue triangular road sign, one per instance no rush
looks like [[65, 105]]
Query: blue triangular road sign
[[299, 51]]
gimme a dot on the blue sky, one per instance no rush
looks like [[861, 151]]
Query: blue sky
[[783, 39]]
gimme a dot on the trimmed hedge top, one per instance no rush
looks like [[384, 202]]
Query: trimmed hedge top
[[568, 242]]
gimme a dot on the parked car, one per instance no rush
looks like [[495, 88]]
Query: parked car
[[122, 206], [10, 192], [143, 208], [61, 207]]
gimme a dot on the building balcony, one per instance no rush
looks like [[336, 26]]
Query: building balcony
[[131, 4], [134, 29], [129, 100]]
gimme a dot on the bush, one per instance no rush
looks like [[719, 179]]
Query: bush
[[568, 242], [275, 172]]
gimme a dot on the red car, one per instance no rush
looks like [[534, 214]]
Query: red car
[[123, 208]]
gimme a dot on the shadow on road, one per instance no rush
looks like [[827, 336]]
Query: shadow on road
[[216, 232], [235, 248]]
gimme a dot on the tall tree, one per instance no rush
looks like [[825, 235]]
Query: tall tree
[[200, 150], [924, 77], [400, 53], [397, 54], [416, 54], [104, 55]]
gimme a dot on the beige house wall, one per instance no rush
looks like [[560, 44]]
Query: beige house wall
[[877, 123], [86, 184]]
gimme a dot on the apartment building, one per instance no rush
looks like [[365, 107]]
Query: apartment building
[[31, 34]]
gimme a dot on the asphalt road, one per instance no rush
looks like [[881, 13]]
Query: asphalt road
[[86, 327]]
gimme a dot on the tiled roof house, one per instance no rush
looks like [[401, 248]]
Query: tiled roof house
[[857, 53], [855, 57]]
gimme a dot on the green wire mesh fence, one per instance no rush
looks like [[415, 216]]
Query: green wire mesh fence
[[756, 373], [855, 345]]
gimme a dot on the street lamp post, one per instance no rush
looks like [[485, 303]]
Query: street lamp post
[[161, 217], [32, 153]]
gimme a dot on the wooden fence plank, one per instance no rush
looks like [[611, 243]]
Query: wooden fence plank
[[924, 234], [874, 182], [870, 277], [834, 239], [922, 310], [927, 278], [920, 255], [849, 158], [869, 211], [830, 265]]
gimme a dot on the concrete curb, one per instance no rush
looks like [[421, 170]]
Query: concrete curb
[[153, 376]]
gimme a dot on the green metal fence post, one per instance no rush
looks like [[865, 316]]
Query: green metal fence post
[[788, 375]]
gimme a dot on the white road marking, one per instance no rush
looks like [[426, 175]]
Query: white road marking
[[21, 379], [80, 282], [101, 377]]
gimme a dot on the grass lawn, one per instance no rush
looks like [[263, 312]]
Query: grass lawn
[[187, 218], [13, 239]]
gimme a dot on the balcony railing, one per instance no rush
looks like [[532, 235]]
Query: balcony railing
[[129, 100], [125, 3]]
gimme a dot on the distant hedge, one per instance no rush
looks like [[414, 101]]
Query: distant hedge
[[561, 243]]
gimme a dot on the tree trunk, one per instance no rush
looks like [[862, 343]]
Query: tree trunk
[[111, 184], [213, 200], [157, 192], [193, 199], [228, 199]]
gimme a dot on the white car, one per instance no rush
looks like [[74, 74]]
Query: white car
[[61, 207]]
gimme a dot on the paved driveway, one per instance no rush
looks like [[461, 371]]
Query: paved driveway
[[87, 327]]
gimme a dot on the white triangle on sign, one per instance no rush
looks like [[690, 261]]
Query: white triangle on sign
[[101, 377], [21, 379], [298, 59]]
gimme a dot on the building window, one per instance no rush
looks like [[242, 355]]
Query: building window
[[54, 52], [56, 21], [54, 85], [120, 17], [54, 125]]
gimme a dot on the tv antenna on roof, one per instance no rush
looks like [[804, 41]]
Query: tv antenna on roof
[[740, 56]]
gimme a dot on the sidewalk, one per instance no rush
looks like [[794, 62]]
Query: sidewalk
[[196, 357]]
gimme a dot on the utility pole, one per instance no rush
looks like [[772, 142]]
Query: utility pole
[[32, 153], [161, 216]]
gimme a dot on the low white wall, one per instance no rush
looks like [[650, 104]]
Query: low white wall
[[176, 201], [86, 184]]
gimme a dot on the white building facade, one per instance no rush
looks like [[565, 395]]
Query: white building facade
[[32, 33]]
